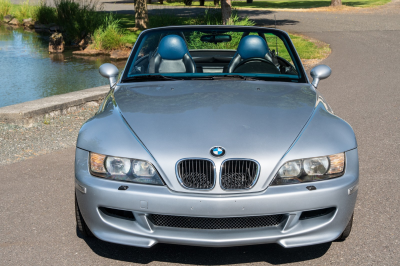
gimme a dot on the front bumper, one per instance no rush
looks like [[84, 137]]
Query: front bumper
[[143, 200]]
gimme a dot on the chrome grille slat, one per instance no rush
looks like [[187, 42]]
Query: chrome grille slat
[[239, 174], [196, 173], [216, 223]]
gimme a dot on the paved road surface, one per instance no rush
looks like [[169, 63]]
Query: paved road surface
[[36, 196]]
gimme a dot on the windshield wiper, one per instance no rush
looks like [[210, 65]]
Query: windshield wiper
[[148, 78]]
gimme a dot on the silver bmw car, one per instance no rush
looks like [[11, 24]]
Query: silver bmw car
[[214, 136]]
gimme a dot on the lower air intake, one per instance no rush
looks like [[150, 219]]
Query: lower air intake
[[216, 223]]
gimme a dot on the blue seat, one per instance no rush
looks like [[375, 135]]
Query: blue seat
[[252, 47], [171, 56]]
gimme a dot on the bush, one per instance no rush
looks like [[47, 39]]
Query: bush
[[79, 18], [5, 8], [45, 14], [109, 35], [24, 11]]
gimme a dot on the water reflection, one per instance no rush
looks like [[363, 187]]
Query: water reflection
[[29, 72]]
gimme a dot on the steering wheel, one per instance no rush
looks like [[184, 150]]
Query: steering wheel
[[267, 66]]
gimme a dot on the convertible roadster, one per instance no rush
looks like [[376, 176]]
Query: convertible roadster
[[214, 136]]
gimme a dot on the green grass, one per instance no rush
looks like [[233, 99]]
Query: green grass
[[288, 3], [25, 10], [306, 48], [5, 8], [111, 31]]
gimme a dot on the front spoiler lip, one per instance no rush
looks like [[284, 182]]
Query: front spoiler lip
[[143, 200]]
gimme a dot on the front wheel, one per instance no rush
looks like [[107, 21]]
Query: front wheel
[[347, 230], [80, 222]]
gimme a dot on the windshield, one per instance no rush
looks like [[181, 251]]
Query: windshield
[[213, 52]]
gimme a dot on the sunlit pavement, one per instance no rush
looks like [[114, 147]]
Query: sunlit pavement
[[37, 224]]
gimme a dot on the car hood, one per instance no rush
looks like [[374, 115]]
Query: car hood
[[184, 119]]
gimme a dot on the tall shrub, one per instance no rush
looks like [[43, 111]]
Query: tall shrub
[[5, 8], [109, 35], [45, 14], [25, 10], [79, 17]]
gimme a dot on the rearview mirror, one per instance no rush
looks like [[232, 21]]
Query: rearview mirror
[[109, 71], [216, 38], [318, 73]]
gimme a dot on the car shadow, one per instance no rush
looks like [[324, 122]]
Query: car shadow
[[270, 253], [264, 18]]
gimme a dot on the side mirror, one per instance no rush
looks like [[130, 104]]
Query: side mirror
[[109, 71], [318, 73]]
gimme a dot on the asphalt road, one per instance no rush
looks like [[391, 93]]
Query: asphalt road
[[37, 223]]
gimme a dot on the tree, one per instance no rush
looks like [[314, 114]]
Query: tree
[[226, 9], [141, 15], [336, 2]]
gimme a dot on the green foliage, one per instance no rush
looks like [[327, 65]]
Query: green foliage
[[79, 17], [109, 35], [25, 10], [214, 17], [164, 19], [45, 14], [288, 3], [5, 8]]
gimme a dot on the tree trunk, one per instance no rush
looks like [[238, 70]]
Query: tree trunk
[[141, 16], [336, 2], [161, 2], [249, 1], [226, 9], [202, 2], [216, 2]]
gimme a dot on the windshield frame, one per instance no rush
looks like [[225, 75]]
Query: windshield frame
[[301, 78]]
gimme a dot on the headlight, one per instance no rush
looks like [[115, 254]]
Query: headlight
[[310, 170], [123, 169]]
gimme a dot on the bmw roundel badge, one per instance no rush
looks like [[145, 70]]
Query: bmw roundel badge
[[217, 151]]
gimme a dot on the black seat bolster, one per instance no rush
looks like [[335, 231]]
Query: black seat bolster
[[189, 64], [154, 63], [234, 62]]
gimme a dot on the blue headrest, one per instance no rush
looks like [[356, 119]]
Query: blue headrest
[[172, 47], [252, 46]]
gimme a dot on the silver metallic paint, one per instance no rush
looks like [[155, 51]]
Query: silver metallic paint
[[318, 73], [248, 121], [109, 71], [290, 200], [314, 130]]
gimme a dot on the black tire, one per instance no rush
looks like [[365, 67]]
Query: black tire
[[80, 222], [347, 230]]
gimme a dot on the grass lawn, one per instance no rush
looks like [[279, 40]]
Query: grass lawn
[[289, 3], [119, 29], [306, 48]]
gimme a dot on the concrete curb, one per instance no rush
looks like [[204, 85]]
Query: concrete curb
[[30, 112]]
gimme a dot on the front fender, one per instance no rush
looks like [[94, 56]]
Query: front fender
[[324, 134]]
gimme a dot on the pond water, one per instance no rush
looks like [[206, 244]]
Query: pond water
[[28, 72]]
